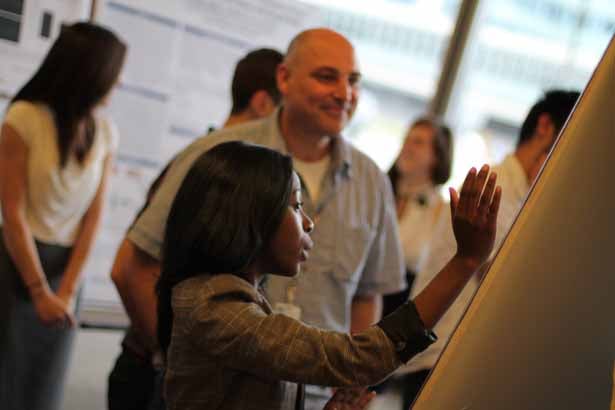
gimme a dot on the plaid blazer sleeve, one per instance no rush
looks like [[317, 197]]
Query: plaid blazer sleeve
[[232, 323]]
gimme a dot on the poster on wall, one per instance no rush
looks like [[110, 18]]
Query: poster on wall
[[27, 30], [174, 87]]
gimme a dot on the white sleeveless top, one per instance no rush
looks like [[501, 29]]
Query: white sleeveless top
[[57, 198]]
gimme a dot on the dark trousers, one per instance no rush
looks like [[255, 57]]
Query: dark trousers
[[392, 301], [34, 358], [134, 384]]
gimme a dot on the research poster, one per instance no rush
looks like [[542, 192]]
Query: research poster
[[174, 87], [27, 30]]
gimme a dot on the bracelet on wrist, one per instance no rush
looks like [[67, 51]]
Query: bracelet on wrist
[[35, 287]]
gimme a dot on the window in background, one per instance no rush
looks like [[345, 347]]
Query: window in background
[[10, 19], [400, 46], [520, 49]]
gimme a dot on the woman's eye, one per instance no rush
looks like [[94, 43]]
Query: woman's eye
[[298, 206]]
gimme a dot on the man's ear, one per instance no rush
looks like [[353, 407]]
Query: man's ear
[[545, 127], [282, 75], [261, 104]]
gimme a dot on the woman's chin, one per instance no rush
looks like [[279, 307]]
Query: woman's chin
[[293, 274], [289, 273]]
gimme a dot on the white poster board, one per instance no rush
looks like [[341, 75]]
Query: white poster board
[[540, 331], [175, 85], [27, 30]]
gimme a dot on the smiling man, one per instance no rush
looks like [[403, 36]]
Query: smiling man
[[356, 257]]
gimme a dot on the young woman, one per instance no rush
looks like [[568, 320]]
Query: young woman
[[422, 166], [55, 155], [238, 215]]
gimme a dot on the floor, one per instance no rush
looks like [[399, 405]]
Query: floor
[[94, 354]]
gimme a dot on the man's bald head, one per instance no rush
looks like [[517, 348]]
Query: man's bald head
[[305, 42], [319, 81]]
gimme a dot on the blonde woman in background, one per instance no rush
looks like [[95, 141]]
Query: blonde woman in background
[[55, 157]]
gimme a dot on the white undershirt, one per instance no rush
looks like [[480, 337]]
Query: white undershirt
[[312, 174]]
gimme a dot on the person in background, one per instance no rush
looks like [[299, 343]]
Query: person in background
[[254, 90], [56, 150], [422, 167], [133, 383], [515, 175], [229, 225]]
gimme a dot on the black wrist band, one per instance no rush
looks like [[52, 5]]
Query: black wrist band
[[406, 330]]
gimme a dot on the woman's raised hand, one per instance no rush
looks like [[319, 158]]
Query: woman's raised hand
[[474, 215]]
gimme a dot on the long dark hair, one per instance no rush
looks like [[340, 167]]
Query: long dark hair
[[228, 207], [442, 147], [79, 70]]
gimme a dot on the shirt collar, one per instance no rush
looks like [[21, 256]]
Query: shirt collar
[[341, 151], [341, 156]]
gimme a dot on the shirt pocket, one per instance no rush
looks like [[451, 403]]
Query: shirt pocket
[[352, 247]]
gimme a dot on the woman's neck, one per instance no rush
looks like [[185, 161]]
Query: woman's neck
[[253, 274], [411, 185]]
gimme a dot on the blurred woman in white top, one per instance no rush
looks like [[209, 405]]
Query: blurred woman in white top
[[55, 159], [422, 166]]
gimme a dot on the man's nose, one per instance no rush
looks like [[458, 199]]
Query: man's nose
[[343, 90]]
